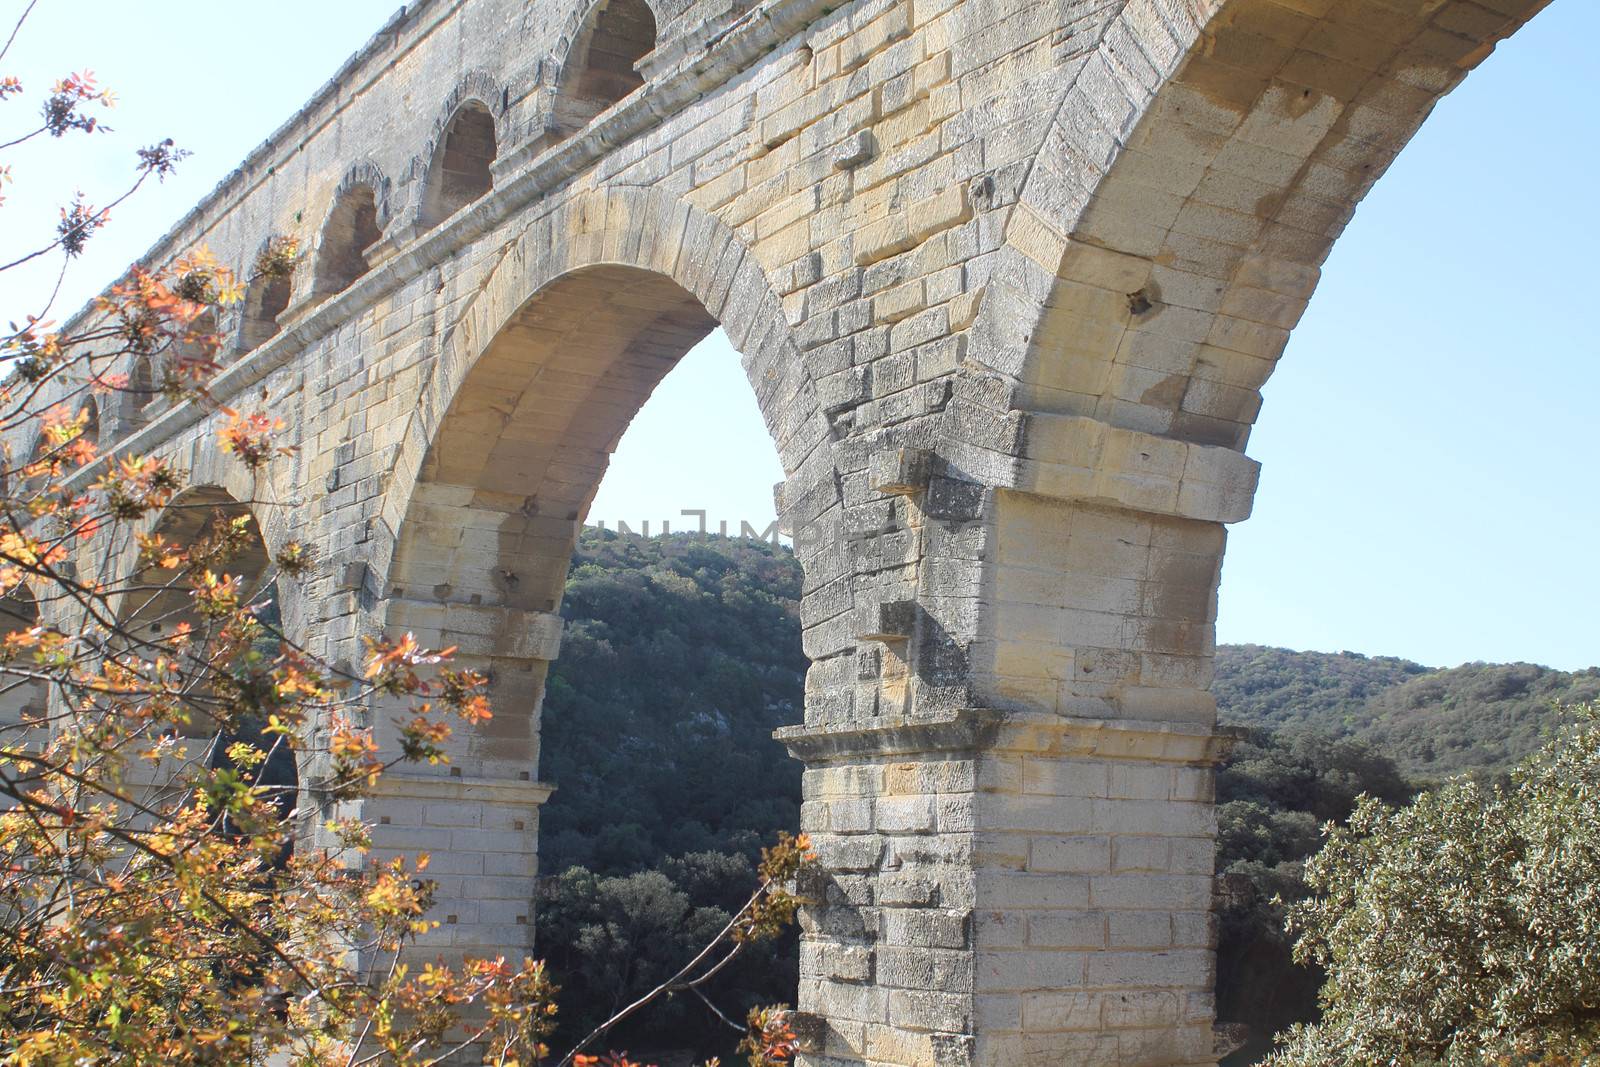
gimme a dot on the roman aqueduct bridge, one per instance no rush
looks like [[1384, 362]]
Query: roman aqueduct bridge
[[1007, 277]]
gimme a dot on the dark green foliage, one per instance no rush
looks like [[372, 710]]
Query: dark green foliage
[[1476, 718], [611, 939], [1274, 793], [1346, 725], [1265, 686], [681, 656], [1464, 928]]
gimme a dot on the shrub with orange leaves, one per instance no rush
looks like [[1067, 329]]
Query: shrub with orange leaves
[[160, 733]]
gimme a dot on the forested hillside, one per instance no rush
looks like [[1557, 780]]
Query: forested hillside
[[681, 657], [1276, 687], [1479, 717]]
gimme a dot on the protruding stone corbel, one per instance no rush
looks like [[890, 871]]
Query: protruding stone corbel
[[887, 621], [966, 730], [354, 577], [856, 150], [901, 471], [1077, 458]]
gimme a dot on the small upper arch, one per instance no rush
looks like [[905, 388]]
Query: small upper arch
[[464, 146], [134, 404], [354, 224], [267, 295], [599, 57]]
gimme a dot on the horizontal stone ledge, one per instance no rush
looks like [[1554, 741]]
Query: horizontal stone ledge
[[476, 790], [973, 731], [1072, 457], [1037, 733], [480, 629], [968, 730]]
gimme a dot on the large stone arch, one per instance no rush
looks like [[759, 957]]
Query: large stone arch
[[216, 483], [588, 309], [1220, 203], [149, 611], [1195, 177], [649, 232], [1167, 241], [156, 604]]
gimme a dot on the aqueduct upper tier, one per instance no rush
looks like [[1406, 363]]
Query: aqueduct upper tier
[[1007, 277]]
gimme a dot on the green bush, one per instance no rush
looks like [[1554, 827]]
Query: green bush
[[1464, 927]]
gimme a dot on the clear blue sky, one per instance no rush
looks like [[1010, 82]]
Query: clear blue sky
[[1429, 441]]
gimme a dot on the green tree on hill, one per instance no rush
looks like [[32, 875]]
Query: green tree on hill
[[1274, 793], [1464, 928]]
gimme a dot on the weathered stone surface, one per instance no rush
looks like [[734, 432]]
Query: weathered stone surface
[[1007, 277]]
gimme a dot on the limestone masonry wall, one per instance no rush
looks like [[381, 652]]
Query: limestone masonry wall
[[1007, 277]]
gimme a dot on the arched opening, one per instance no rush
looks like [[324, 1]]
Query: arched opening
[[351, 229], [486, 547], [57, 442], [682, 635], [601, 66], [143, 391], [556, 391], [279, 772], [1178, 286], [460, 173], [160, 601], [1426, 641], [24, 701], [203, 511], [198, 348], [91, 425], [264, 300]]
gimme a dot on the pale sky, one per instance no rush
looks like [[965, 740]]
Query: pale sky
[[1429, 442]]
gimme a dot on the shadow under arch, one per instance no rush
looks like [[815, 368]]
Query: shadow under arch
[[91, 426], [458, 171], [266, 298], [355, 222], [530, 434]]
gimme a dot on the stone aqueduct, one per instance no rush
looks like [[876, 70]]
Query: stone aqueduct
[[1007, 277]]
